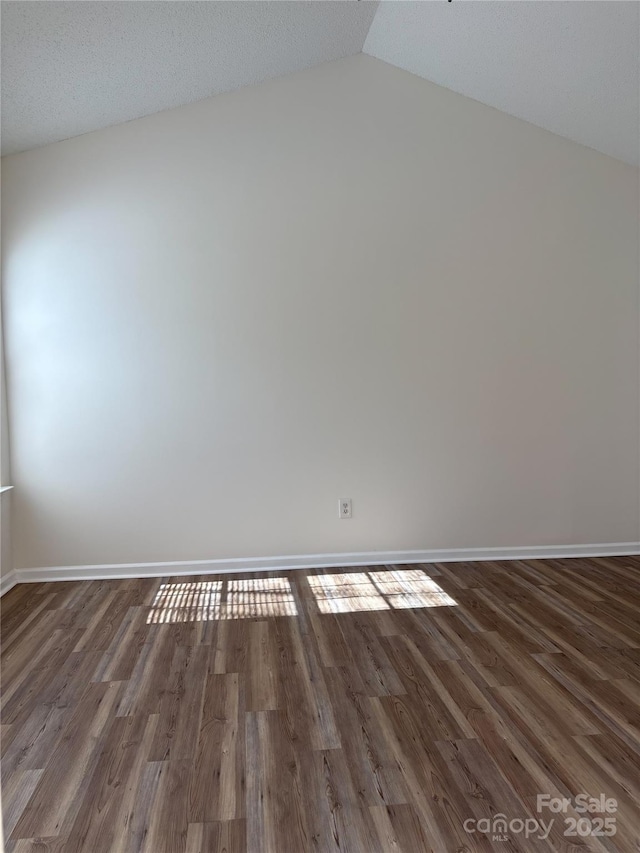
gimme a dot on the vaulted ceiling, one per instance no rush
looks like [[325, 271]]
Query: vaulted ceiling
[[570, 67], [71, 67]]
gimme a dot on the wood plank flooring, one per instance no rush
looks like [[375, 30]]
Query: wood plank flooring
[[387, 709]]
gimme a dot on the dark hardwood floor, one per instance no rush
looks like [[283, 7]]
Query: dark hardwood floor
[[376, 709]]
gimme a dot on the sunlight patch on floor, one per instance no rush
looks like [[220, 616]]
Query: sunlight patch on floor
[[397, 589], [346, 593], [250, 598], [203, 601]]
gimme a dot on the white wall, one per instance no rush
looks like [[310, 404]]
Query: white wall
[[6, 555], [348, 282]]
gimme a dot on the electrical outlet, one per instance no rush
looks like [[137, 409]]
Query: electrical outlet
[[344, 508]]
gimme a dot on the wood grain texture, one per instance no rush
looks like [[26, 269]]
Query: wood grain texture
[[368, 710]]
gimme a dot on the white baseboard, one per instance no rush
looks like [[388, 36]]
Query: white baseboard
[[8, 581], [312, 561]]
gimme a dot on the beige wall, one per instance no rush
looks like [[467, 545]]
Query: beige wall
[[348, 282]]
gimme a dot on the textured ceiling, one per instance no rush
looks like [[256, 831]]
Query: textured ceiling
[[72, 67], [570, 67]]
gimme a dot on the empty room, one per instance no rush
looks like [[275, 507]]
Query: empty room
[[320, 505]]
